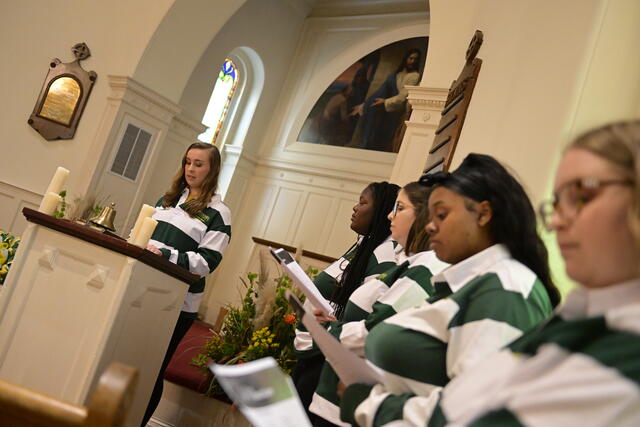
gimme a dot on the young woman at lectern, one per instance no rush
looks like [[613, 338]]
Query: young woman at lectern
[[194, 228]]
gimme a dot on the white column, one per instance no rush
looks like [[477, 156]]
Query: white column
[[427, 103]]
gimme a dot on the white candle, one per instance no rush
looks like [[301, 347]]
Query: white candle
[[58, 180], [145, 232], [49, 203], [145, 212]]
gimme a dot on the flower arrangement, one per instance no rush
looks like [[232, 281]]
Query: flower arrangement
[[263, 325], [8, 246]]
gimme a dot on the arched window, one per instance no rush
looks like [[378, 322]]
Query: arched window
[[230, 128], [220, 100]]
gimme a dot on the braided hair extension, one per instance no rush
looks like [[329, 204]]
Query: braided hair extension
[[480, 177], [384, 197]]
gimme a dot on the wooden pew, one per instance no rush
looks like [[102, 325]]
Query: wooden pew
[[108, 405]]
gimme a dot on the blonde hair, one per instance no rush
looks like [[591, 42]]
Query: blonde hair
[[619, 143], [209, 186]]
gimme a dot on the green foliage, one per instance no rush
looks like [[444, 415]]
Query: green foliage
[[59, 212], [239, 340], [8, 246], [95, 210]]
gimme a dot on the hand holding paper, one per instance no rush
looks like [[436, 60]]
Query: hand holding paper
[[265, 395], [350, 368], [301, 280], [321, 318]]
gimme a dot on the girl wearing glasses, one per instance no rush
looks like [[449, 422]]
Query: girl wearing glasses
[[481, 222], [584, 363], [373, 253], [399, 288]]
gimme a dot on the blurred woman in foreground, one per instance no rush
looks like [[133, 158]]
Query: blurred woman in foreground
[[582, 366]]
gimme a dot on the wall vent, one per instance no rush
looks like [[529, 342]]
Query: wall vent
[[131, 152]]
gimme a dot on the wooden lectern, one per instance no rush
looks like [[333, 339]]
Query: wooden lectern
[[76, 300]]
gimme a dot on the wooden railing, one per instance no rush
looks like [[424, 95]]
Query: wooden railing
[[288, 248]]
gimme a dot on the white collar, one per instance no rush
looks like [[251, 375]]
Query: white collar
[[590, 302], [459, 274], [185, 193], [399, 253]]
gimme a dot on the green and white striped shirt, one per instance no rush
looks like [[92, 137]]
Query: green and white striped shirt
[[383, 257], [194, 243], [479, 305], [393, 291], [580, 368]]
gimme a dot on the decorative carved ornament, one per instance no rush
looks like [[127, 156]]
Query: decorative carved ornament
[[63, 96], [455, 110], [427, 103]]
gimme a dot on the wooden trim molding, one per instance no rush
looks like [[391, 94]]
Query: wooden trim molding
[[288, 248]]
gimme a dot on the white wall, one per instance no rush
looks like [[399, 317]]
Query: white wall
[[157, 41], [550, 71], [178, 43], [34, 32]]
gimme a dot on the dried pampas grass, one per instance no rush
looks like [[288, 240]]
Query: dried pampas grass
[[266, 293]]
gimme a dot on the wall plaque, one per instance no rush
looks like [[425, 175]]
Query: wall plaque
[[455, 110], [63, 96]]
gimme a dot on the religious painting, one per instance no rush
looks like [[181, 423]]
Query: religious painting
[[366, 106]]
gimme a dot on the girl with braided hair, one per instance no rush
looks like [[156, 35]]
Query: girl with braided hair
[[396, 289], [373, 253]]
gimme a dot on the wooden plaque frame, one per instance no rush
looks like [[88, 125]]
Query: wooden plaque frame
[[46, 124], [455, 110]]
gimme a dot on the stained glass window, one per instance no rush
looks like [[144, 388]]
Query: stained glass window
[[220, 100]]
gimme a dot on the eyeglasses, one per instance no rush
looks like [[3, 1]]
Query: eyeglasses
[[398, 207], [572, 196], [395, 209]]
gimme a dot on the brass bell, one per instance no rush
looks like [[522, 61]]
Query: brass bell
[[105, 219]]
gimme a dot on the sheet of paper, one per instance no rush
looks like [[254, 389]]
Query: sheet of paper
[[264, 394], [349, 367], [302, 281]]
